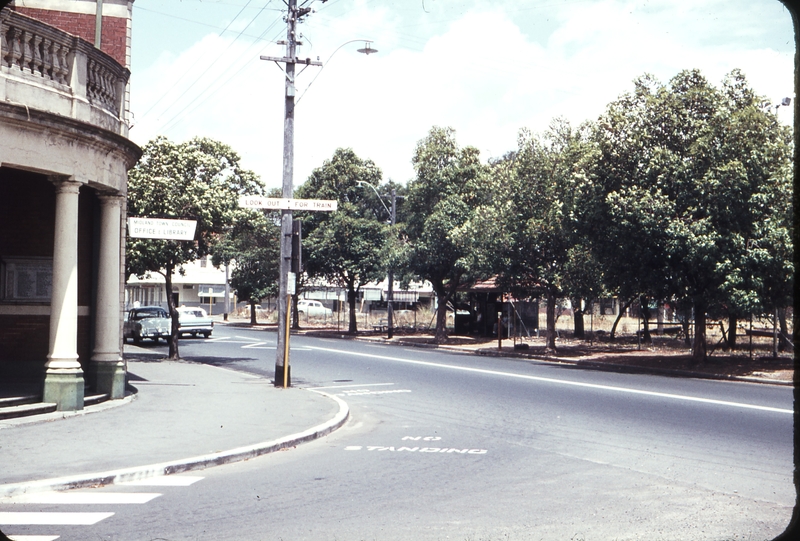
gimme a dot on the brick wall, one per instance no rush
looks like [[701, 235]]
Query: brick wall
[[114, 35]]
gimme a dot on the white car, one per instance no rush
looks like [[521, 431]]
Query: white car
[[194, 321], [313, 309]]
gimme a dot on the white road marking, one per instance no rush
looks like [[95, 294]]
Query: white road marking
[[360, 392], [392, 449], [351, 386], [217, 339], [165, 481], [33, 537], [51, 519], [85, 498], [258, 345], [564, 382]]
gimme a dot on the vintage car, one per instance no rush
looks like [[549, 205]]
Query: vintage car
[[194, 320], [313, 309], [151, 322]]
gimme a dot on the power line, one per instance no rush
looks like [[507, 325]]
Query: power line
[[208, 92], [219, 56], [194, 64]]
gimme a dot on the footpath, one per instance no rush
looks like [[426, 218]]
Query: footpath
[[185, 416]]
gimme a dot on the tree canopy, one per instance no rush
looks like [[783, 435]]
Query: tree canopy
[[345, 247], [200, 180], [684, 170], [450, 186]]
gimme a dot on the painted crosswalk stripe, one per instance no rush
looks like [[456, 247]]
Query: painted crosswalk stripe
[[55, 518], [33, 537], [87, 498], [165, 481]]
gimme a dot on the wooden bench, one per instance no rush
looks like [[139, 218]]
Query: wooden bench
[[382, 326]]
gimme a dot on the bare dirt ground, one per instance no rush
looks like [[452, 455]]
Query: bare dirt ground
[[665, 354]]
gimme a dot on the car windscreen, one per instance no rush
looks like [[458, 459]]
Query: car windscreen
[[142, 314]]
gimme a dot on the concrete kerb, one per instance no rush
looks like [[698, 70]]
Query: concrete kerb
[[181, 465]]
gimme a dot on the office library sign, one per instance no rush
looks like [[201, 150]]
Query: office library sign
[[161, 228]]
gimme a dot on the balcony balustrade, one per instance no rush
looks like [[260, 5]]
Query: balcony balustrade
[[44, 68]]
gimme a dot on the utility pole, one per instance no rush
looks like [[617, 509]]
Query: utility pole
[[286, 283]]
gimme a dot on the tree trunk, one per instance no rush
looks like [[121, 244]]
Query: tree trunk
[[295, 314], [252, 312], [550, 340], [622, 309], [783, 340], [732, 322], [644, 308], [577, 318], [686, 314], [351, 302], [699, 349], [174, 354]]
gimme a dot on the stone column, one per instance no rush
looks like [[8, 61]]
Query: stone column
[[107, 363], [63, 383]]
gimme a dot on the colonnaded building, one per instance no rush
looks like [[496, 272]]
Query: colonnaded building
[[64, 159]]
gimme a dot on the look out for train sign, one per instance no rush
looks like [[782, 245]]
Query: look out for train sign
[[282, 203]]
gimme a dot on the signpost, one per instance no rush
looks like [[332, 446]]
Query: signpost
[[290, 263], [281, 203], [161, 228]]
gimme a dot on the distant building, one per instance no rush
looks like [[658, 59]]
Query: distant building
[[202, 284], [64, 158]]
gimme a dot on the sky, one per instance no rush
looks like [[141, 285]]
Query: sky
[[486, 68]]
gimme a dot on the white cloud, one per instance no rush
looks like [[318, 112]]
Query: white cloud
[[487, 71]]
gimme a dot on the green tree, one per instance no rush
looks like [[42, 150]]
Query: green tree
[[200, 180], [450, 186], [252, 245], [547, 254], [345, 247], [680, 172]]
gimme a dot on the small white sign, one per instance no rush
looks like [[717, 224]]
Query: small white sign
[[291, 284], [161, 228], [281, 203]]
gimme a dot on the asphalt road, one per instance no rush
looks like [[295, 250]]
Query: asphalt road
[[447, 446]]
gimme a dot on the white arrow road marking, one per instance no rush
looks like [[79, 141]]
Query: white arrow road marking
[[85, 498], [33, 537], [54, 518], [563, 381]]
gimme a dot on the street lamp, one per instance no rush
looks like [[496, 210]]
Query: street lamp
[[390, 293], [367, 50], [785, 102]]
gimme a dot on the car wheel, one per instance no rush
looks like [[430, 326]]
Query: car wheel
[[206, 334]]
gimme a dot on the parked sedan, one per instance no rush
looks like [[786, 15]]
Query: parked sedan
[[313, 309], [151, 322], [194, 321]]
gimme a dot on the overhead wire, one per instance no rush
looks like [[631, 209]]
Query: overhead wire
[[177, 117], [211, 90], [190, 68]]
